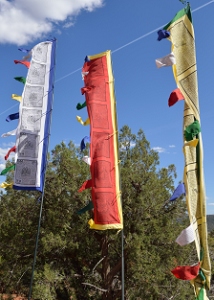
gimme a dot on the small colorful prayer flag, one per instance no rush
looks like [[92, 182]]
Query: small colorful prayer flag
[[180, 190], [175, 96]]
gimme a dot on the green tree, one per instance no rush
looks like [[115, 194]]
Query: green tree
[[74, 262]]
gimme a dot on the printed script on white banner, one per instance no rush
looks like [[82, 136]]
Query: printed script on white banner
[[34, 119]]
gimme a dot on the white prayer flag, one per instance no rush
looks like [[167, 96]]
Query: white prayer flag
[[12, 132], [186, 236], [87, 159], [165, 61]]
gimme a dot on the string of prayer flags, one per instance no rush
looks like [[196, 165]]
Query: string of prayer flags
[[186, 272], [163, 34], [185, 73], [165, 61], [20, 79], [12, 117], [8, 169], [23, 62], [13, 149], [186, 236], [175, 96], [105, 181], [16, 97], [88, 207], [5, 185], [85, 140], [178, 192]]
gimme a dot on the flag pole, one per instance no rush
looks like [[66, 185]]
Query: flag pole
[[122, 258]]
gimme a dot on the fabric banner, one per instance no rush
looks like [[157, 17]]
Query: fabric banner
[[101, 107], [34, 119], [185, 73]]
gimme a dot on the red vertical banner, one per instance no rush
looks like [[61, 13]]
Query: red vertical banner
[[105, 177]]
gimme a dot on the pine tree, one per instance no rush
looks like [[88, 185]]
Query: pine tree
[[75, 261]]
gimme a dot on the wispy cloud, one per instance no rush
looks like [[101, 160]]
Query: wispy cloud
[[171, 146], [159, 149], [211, 203], [41, 16]]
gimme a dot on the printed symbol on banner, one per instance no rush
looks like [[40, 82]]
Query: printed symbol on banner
[[28, 145], [40, 52], [33, 96], [25, 172]]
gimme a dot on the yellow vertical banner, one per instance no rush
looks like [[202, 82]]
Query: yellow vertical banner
[[185, 73]]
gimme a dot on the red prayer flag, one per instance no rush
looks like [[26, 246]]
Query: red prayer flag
[[86, 185], [186, 272], [175, 96], [26, 63], [13, 149]]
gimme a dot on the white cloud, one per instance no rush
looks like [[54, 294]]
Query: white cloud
[[210, 203], [159, 149], [171, 146], [22, 21]]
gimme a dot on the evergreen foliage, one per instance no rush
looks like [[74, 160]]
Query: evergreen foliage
[[75, 262]]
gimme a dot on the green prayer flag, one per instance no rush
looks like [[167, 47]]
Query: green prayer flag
[[11, 168], [80, 106], [192, 130], [89, 206], [21, 79]]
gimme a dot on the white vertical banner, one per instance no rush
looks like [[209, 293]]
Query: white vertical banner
[[34, 119]]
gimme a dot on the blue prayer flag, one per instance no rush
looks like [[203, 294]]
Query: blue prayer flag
[[163, 34], [85, 140], [180, 190]]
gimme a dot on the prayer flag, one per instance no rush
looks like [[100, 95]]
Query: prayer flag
[[24, 50], [179, 191], [25, 63], [21, 79], [89, 206], [13, 149], [87, 159], [185, 73], [186, 272], [186, 236], [163, 34], [80, 106], [11, 168], [35, 117], [192, 130], [79, 119], [12, 132], [105, 182], [16, 97], [165, 61], [85, 140], [175, 96], [12, 117], [86, 185], [5, 185]]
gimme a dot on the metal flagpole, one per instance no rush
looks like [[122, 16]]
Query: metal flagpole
[[122, 258]]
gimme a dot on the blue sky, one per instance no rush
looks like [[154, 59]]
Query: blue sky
[[129, 30]]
